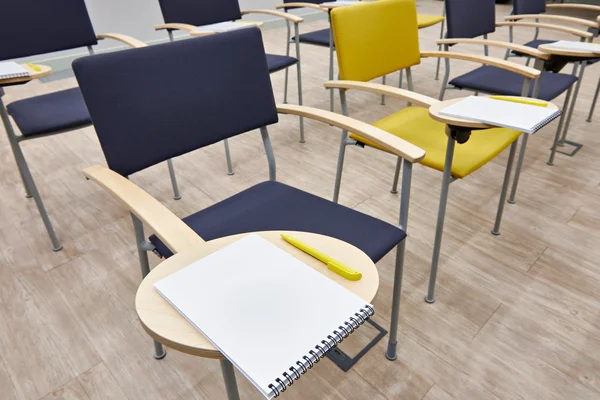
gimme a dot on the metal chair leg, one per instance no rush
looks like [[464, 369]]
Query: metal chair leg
[[331, 100], [400, 76], [342, 152], [589, 118], [513, 192], [287, 53], [509, 164], [299, 71], [396, 176], [437, 69], [559, 128], [446, 77], [28, 182], [397, 291], [229, 378], [176, 194], [383, 95], [140, 241], [439, 230], [228, 157], [573, 102]]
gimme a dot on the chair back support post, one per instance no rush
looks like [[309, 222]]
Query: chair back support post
[[405, 195], [342, 152], [264, 133], [526, 85]]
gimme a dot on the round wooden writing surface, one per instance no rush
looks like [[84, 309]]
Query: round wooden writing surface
[[434, 112], [166, 325], [568, 53], [206, 33], [44, 71]]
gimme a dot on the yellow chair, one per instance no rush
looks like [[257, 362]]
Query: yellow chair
[[379, 38]]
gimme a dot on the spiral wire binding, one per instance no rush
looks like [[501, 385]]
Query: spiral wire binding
[[287, 378], [545, 122]]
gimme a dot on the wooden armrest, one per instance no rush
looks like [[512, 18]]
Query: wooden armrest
[[128, 40], [496, 43], [559, 18], [175, 233], [300, 5], [290, 17], [393, 144], [588, 7], [417, 98], [175, 27], [527, 72], [558, 28]]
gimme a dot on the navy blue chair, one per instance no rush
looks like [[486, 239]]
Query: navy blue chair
[[187, 15], [136, 135], [59, 25], [468, 19]]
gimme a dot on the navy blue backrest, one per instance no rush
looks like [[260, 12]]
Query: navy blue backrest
[[529, 6], [158, 102], [29, 27], [470, 18], [199, 12]]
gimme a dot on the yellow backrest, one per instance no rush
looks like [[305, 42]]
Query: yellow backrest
[[373, 39]]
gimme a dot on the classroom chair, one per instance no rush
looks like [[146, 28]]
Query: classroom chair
[[205, 112], [187, 15], [393, 23], [468, 19], [59, 25], [324, 38]]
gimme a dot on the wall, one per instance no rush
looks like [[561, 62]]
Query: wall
[[138, 17]]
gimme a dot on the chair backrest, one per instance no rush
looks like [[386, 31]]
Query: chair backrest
[[30, 27], [470, 18], [375, 38], [200, 12], [154, 103], [529, 7]]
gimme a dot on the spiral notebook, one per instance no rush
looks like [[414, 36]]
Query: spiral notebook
[[507, 114], [574, 46], [270, 314], [10, 69]]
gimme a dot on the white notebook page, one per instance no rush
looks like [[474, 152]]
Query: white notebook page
[[10, 69], [575, 46], [261, 307], [220, 27], [508, 114]]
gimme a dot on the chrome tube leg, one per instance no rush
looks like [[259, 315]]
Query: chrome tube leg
[[228, 157], [299, 71], [229, 379], [509, 164], [383, 96], [331, 100], [397, 291], [140, 239], [396, 176], [409, 83], [287, 70], [486, 50], [510, 39], [513, 191], [28, 182], [437, 68], [559, 128], [342, 152], [446, 75], [400, 75], [264, 133], [589, 118], [439, 230], [176, 194], [573, 101]]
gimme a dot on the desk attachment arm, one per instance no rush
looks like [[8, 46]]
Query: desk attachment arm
[[413, 97], [393, 144], [300, 5], [530, 51], [557, 28], [128, 40], [527, 72], [175, 27], [550, 17], [175, 233], [290, 17]]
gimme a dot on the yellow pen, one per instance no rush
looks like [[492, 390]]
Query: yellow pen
[[332, 264], [531, 102], [34, 67]]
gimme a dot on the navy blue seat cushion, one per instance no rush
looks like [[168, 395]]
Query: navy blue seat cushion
[[319, 38], [494, 80], [50, 113], [277, 63], [275, 206]]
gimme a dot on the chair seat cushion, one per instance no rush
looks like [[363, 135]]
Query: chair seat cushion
[[275, 206], [414, 125], [425, 20], [50, 113], [277, 62], [319, 38], [498, 81]]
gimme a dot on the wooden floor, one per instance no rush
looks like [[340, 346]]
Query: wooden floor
[[516, 317]]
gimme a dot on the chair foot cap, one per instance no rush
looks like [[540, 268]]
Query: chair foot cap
[[302, 141], [177, 198], [393, 191], [588, 120], [550, 163], [58, 248], [430, 301], [160, 356], [231, 173], [28, 196], [511, 201], [496, 233]]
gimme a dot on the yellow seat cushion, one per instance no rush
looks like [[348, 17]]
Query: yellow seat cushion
[[414, 125], [425, 20]]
